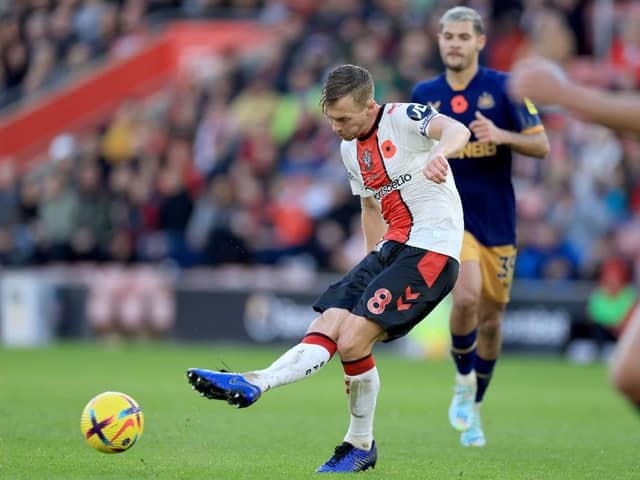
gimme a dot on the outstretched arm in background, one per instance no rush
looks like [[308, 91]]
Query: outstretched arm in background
[[544, 82]]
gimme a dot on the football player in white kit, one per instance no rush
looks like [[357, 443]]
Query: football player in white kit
[[412, 220]]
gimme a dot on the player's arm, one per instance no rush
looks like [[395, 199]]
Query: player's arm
[[452, 137], [373, 225], [619, 111], [533, 144], [545, 82]]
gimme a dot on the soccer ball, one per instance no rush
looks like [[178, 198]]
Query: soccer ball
[[111, 422]]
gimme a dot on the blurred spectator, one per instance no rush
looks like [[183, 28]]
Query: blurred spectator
[[297, 109], [57, 210], [508, 40], [92, 223], [547, 255], [118, 142], [8, 191], [625, 48], [216, 140], [550, 36], [210, 232], [40, 71], [255, 105], [132, 35], [611, 301], [608, 306], [15, 59], [175, 202], [130, 304]]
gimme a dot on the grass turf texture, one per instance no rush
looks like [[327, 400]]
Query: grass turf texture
[[544, 419]]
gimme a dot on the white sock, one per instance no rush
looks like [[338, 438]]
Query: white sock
[[295, 364], [362, 393], [468, 379]]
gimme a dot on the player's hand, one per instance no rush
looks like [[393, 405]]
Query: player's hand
[[436, 168], [485, 130], [539, 80]]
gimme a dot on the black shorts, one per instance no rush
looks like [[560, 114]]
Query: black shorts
[[396, 287]]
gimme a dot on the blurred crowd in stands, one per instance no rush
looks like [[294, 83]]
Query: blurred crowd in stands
[[239, 166]]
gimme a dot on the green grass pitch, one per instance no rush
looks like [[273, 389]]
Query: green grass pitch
[[544, 419]]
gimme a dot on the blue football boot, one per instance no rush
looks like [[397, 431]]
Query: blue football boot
[[348, 458], [232, 387]]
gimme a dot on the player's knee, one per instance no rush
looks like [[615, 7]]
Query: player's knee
[[351, 348], [328, 322], [490, 326], [465, 304], [466, 297]]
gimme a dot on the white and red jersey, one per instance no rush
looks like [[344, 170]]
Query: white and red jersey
[[387, 164]]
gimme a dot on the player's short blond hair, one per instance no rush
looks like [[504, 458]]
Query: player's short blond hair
[[347, 80], [463, 14]]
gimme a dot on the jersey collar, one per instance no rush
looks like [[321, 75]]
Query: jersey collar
[[374, 127], [460, 88]]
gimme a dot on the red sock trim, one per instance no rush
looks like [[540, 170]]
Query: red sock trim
[[360, 366], [317, 338]]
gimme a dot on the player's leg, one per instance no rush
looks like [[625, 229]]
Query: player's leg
[[355, 342], [358, 451], [319, 344], [489, 348], [489, 342], [304, 359], [463, 323], [497, 272], [414, 282], [308, 357], [625, 367]]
